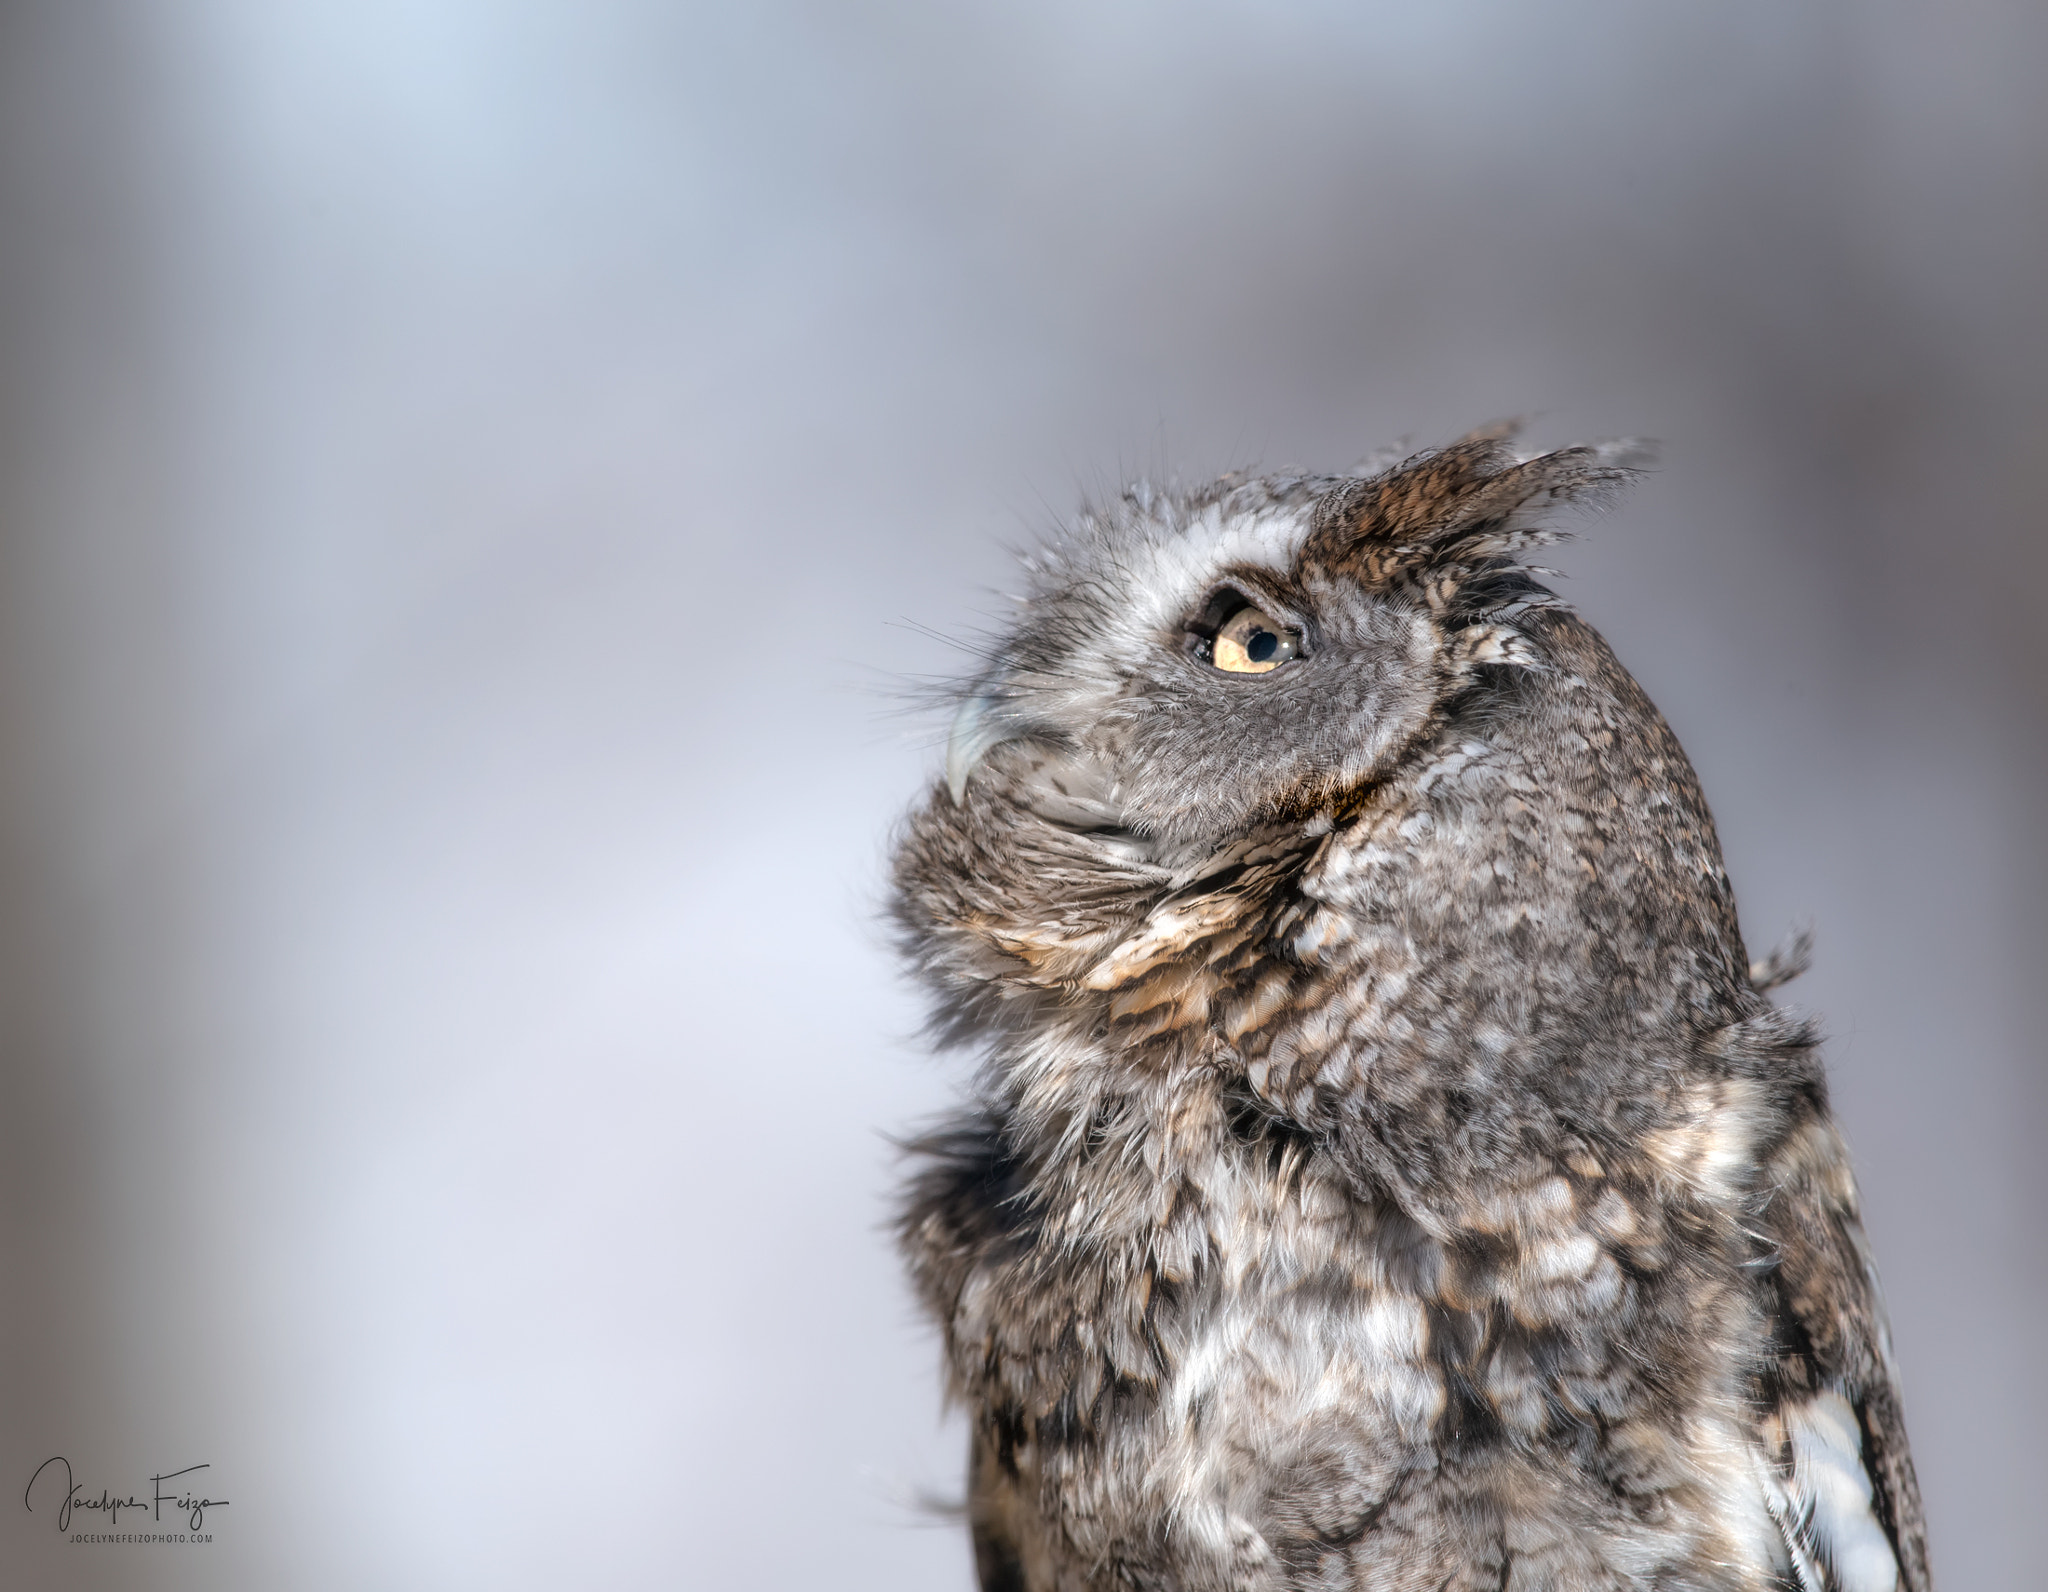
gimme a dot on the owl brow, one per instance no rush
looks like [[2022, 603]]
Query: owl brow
[[1256, 583]]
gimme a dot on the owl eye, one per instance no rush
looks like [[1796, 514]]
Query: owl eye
[[1251, 642]]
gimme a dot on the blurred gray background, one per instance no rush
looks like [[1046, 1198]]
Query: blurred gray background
[[472, 476]]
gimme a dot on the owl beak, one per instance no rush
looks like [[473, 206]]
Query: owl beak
[[977, 730]]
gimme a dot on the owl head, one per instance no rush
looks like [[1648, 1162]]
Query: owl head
[[1306, 793], [1309, 782], [1184, 667]]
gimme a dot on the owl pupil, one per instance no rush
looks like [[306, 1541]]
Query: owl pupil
[[1262, 646]]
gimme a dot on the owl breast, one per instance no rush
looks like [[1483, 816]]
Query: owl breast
[[1307, 1383]]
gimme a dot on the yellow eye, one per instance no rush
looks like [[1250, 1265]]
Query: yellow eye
[[1251, 643]]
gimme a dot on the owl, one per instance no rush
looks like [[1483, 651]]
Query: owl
[[1385, 1169]]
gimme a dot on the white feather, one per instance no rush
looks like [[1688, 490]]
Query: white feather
[[1823, 1503]]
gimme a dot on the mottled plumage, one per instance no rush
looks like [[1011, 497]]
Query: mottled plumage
[[1386, 1170]]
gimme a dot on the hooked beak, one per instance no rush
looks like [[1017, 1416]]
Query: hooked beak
[[978, 729]]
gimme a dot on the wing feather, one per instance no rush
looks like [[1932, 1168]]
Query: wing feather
[[1842, 1489]]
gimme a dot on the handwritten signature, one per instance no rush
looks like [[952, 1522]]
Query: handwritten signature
[[182, 1497]]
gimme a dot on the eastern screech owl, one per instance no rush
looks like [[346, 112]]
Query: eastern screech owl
[[1386, 1170]]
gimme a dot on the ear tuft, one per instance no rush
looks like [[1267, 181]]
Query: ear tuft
[[1451, 510]]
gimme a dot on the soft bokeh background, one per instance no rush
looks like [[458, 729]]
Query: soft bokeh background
[[469, 470]]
